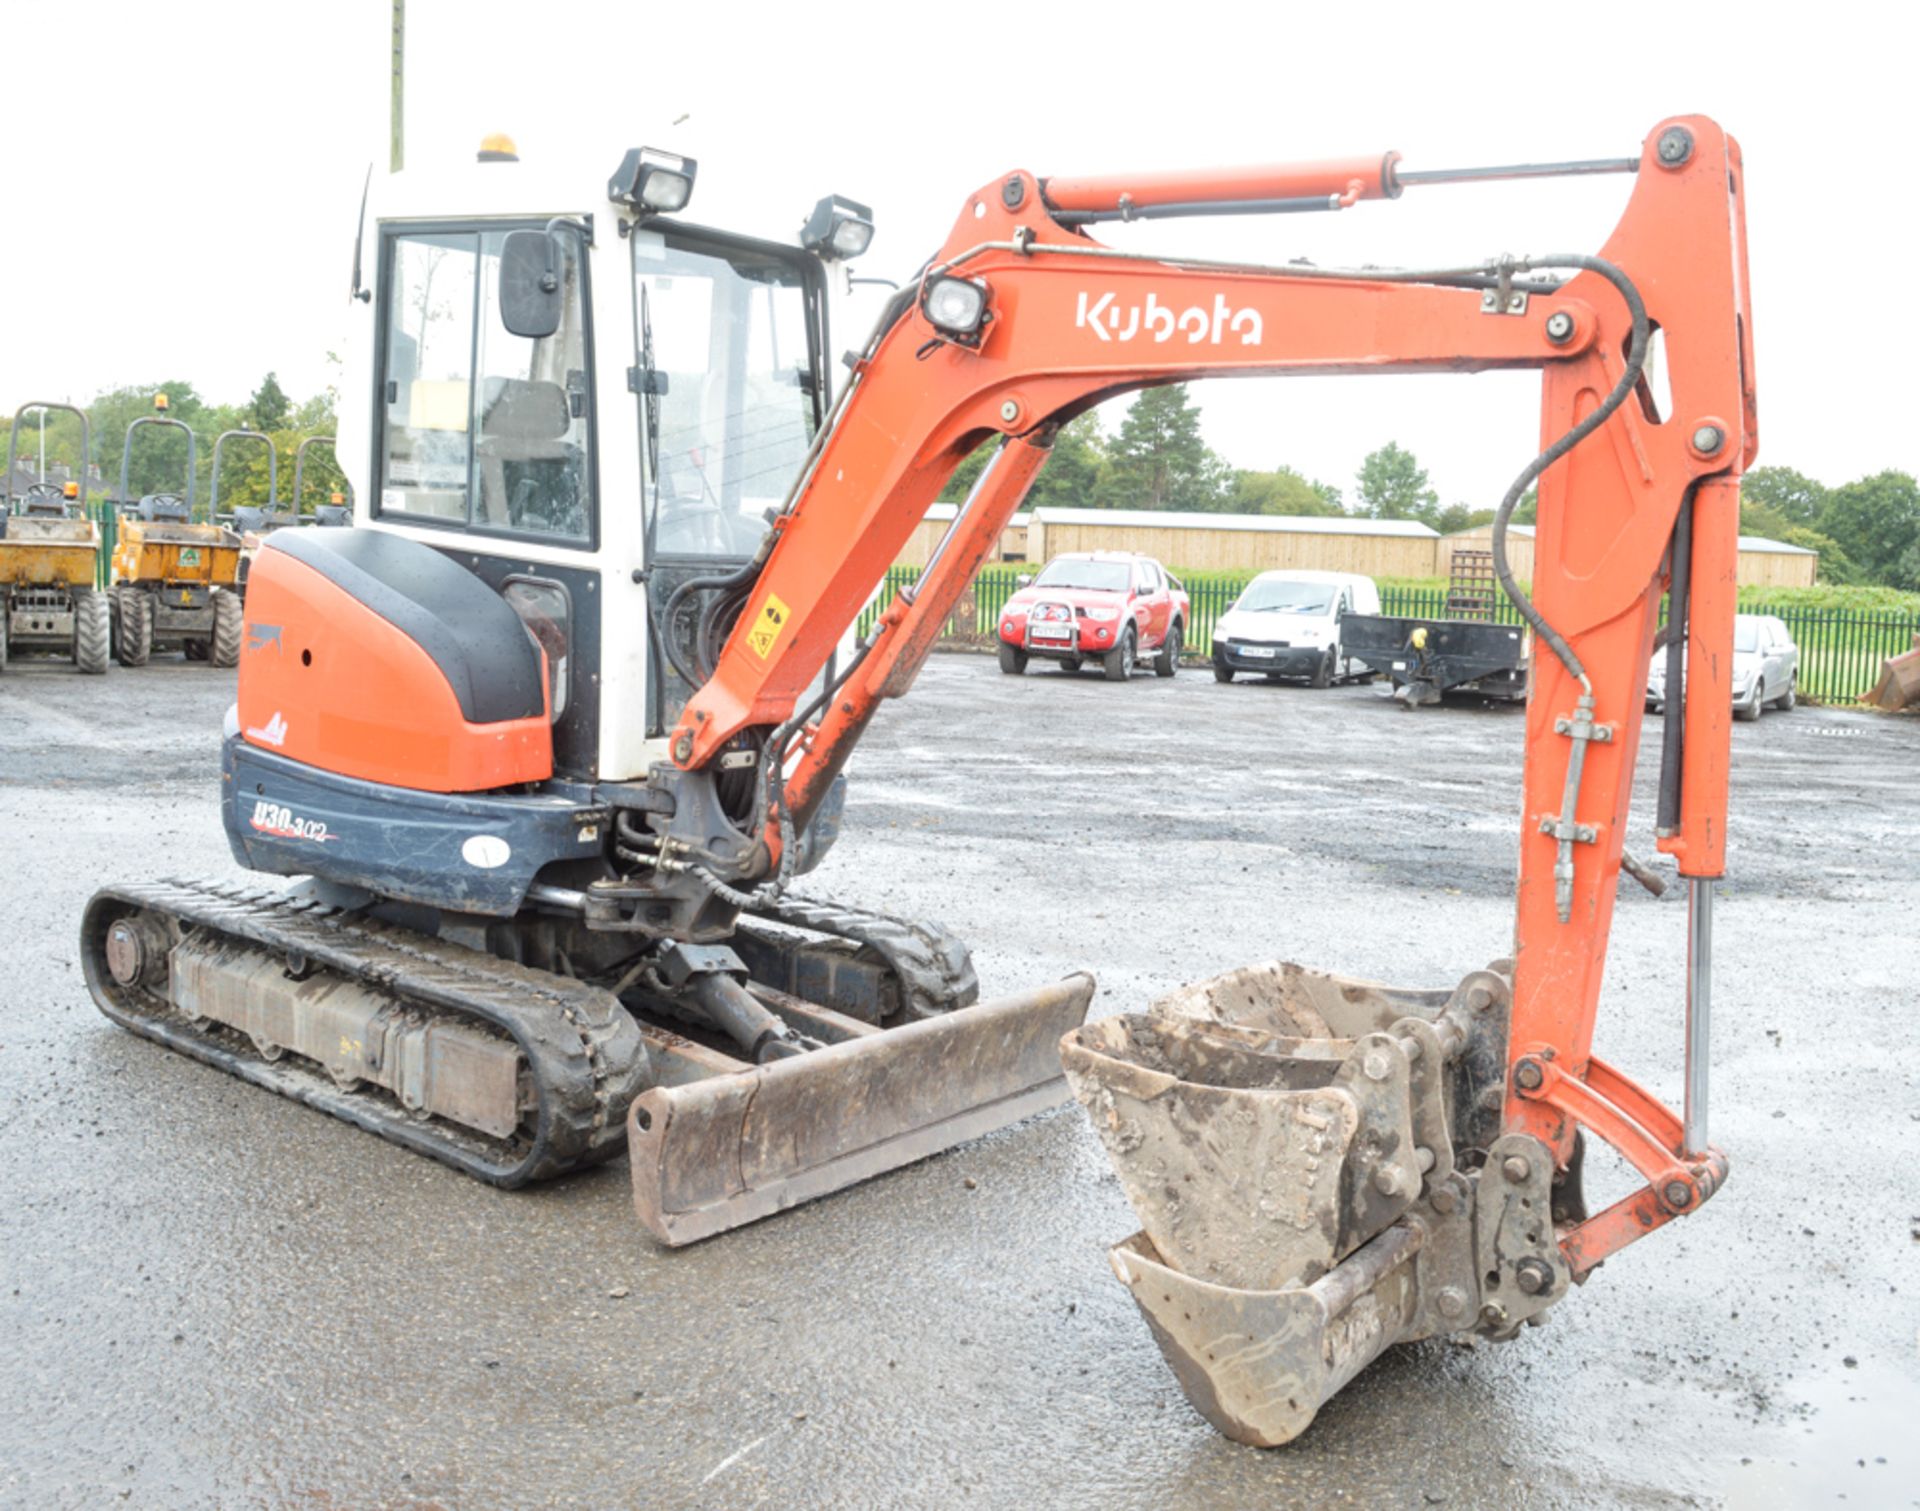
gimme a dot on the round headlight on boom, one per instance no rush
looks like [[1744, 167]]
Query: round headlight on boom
[[838, 229], [956, 306]]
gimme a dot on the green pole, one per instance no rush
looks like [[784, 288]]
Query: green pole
[[397, 123]]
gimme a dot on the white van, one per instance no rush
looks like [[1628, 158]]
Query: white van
[[1287, 624]]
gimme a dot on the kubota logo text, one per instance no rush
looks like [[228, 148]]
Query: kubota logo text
[[1110, 321]]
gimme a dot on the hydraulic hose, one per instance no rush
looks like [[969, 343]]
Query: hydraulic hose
[[1629, 377]]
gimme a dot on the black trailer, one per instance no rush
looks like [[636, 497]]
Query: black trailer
[[1426, 658]]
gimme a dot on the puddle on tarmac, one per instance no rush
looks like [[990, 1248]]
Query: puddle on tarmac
[[1852, 1442]]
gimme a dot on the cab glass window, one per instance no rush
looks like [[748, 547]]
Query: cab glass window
[[483, 429], [727, 373]]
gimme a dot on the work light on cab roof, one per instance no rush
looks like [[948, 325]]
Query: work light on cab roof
[[838, 230], [652, 182]]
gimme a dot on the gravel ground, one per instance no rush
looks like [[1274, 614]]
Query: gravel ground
[[210, 1297]]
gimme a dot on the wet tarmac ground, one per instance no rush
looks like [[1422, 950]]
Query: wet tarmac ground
[[212, 1297]]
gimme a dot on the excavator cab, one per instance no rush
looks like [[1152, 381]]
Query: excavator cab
[[519, 942]]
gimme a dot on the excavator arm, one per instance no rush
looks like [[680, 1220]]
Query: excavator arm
[[1023, 321]]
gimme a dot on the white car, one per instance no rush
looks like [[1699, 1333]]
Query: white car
[[1287, 624], [1766, 668]]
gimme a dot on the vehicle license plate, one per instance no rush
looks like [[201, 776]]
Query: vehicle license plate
[[1051, 631], [1265, 652]]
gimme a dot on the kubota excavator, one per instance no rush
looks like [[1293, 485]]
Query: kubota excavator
[[554, 733]]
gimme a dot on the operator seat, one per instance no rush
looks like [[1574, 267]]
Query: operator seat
[[164, 506], [530, 474]]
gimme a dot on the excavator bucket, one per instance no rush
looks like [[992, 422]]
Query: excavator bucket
[[718, 1142], [1302, 1152]]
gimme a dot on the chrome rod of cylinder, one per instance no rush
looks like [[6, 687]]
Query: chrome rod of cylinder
[[1508, 171], [1699, 1008]]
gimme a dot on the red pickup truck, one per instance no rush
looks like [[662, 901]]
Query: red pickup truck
[[1108, 606]]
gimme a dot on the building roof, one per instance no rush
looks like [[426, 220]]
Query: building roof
[[1299, 524], [1524, 532], [948, 511], [1774, 547]]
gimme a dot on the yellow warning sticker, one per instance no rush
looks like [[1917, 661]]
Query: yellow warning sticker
[[765, 633]]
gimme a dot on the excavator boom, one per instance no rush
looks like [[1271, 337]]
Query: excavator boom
[[1433, 1213]]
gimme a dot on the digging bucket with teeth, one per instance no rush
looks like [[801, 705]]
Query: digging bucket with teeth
[[1304, 1152]]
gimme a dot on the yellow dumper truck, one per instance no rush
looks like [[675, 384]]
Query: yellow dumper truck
[[49, 557], [175, 582]]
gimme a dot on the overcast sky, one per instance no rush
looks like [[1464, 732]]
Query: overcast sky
[[183, 178]]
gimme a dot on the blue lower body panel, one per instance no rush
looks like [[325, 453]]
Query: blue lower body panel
[[466, 852]]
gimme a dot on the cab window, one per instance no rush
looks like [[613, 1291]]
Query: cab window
[[727, 362], [484, 430]]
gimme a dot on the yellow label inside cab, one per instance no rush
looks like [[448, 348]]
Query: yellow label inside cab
[[765, 634]]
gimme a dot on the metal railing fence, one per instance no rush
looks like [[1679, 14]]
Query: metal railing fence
[[1841, 649]]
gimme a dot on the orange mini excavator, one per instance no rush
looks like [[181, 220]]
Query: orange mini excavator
[[554, 733]]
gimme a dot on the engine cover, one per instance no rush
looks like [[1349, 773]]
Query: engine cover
[[376, 657]]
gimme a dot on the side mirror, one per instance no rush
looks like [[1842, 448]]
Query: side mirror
[[1023, 580], [530, 284]]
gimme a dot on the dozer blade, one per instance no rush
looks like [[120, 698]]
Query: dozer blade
[[736, 1145]]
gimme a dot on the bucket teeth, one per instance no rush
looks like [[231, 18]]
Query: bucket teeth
[[1288, 1140]]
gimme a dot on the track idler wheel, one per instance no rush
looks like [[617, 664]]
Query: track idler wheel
[[137, 948]]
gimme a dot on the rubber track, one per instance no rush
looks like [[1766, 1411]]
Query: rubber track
[[585, 1056], [934, 968]]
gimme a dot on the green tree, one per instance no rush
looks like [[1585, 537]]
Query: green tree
[[269, 407], [1069, 480], [1159, 460], [1876, 522], [1394, 486], [1792, 496], [1281, 491], [1457, 517], [1527, 511], [1835, 565], [1757, 518], [159, 460]]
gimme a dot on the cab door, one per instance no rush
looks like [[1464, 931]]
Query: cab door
[[484, 447]]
